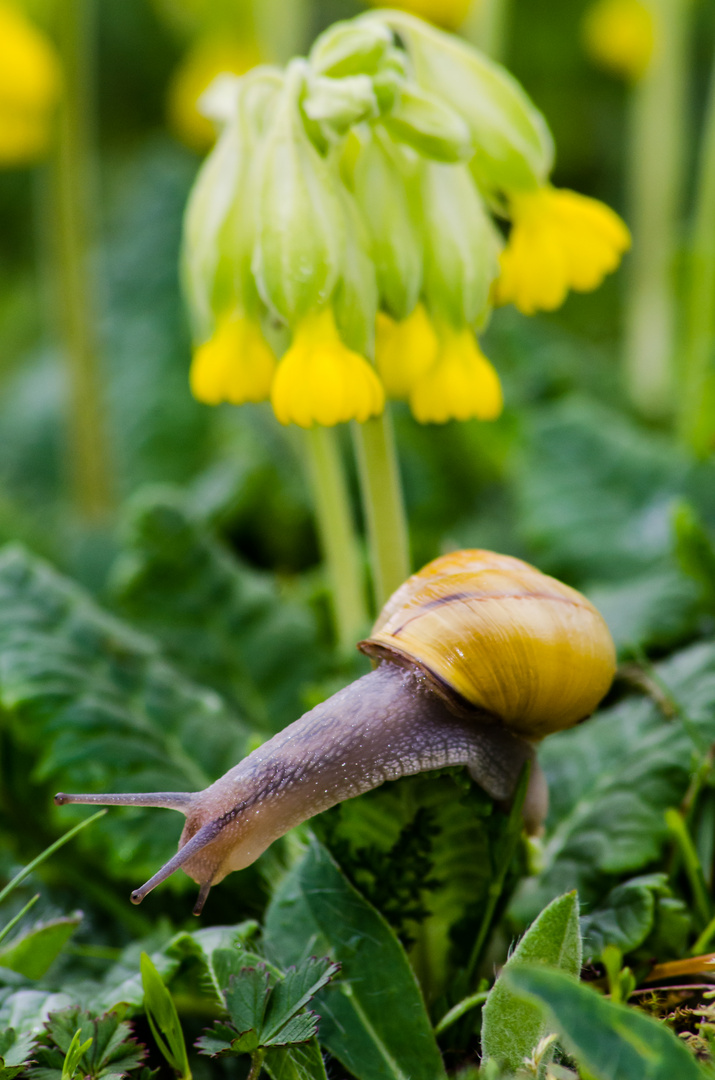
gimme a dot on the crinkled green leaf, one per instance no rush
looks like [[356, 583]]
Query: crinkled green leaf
[[611, 778], [374, 1019], [612, 1042], [291, 993], [35, 949], [222, 950], [102, 709], [223, 623], [245, 997], [512, 1027], [15, 1050]]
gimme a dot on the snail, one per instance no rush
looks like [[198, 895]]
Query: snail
[[477, 657]]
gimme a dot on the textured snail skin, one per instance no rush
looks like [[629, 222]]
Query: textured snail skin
[[479, 655]]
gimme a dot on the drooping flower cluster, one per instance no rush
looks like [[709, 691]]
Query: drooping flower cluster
[[345, 214]]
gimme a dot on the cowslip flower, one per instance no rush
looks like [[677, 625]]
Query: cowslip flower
[[404, 350], [460, 385], [321, 381], [206, 59], [560, 240], [29, 88], [235, 365], [619, 35]]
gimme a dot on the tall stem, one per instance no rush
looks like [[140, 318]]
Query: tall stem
[[656, 169], [337, 534], [383, 503], [72, 200], [697, 412]]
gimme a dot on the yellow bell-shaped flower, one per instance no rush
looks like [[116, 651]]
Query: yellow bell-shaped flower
[[460, 385], [235, 365], [321, 381], [447, 13], [207, 58], [619, 35], [560, 240], [405, 350], [29, 88]]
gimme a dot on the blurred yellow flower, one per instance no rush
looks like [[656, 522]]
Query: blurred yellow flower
[[207, 58], [559, 240], [404, 351], [448, 13], [619, 35], [29, 88], [235, 365], [460, 385], [321, 381]]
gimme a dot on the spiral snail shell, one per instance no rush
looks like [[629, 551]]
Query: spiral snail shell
[[478, 657]]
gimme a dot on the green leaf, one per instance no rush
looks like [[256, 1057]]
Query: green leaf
[[246, 997], [374, 1021], [107, 1050], [695, 549], [291, 993], [611, 1041], [512, 1027], [163, 1019], [610, 778], [295, 1062], [32, 953], [136, 723], [75, 1052], [627, 915], [223, 623], [15, 1051]]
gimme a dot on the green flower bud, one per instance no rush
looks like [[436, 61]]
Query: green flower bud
[[298, 256], [388, 200], [388, 81], [337, 104], [356, 298], [350, 48], [461, 245], [514, 146], [219, 229], [434, 129]]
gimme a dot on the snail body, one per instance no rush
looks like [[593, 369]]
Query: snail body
[[478, 656]]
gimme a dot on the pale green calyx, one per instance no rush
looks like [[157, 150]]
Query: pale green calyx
[[385, 183], [350, 48], [514, 147], [461, 245], [298, 256], [424, 122], [338, 104]]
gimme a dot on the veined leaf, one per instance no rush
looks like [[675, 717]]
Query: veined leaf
[[628, 915], [35, 949], [374, 1019]]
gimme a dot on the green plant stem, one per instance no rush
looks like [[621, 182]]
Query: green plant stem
[[487, 26], [679, 831], [14, 921], [656, 171], [512, 833], [458, 1010], [384, 507], [71, 169], [256, 1064], [39, 859], [697, 402], [338, 537]]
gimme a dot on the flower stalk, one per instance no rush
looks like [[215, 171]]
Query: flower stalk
[[384, 506], [656, 174], [71, 175], [338, 539], [697, 412]]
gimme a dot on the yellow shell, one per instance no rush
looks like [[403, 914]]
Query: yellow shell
[[506, 638]]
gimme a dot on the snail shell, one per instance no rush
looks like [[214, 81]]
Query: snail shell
[[496, 633]]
